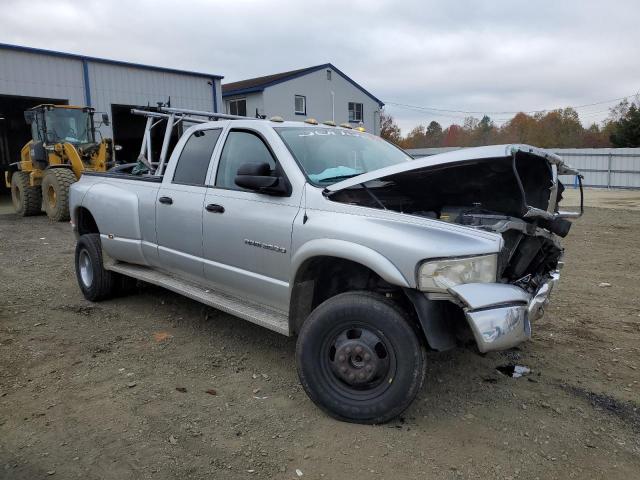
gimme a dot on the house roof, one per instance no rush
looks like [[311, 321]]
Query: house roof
[[258, 84], [54, 53]]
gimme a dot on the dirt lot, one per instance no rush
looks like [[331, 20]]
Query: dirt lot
[[117, 390]]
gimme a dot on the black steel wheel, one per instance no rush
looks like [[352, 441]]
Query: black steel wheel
[[359, 359]]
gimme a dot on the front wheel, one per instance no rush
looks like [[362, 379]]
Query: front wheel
[[359, 359], [55, 193]]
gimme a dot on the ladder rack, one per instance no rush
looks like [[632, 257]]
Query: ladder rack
[[173, 117]]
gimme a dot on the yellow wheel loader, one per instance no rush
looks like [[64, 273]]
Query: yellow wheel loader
[[62, 147]]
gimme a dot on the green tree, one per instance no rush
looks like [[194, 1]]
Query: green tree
[[433, 134], [626, 131]]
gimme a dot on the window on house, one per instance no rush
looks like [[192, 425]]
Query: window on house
[[238, 107], [300, 104], [355, 112], [195, 157], [328, 74]]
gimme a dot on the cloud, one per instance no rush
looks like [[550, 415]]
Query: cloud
[[464, 55]]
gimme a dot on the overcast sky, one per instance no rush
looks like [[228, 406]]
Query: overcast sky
[[485, 56]]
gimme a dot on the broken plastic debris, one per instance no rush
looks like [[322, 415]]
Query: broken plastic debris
[[161, 336], [604, 284], [298, 472], [515, 371]]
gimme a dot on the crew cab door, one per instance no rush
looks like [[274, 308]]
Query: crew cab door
[[180, 205], [247, 235]]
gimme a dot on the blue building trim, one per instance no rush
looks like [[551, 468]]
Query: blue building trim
[[260, 88], [87, 85], [73, 56]]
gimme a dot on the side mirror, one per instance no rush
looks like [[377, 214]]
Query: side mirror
[[105, 119], [257, 177], [29, 116]]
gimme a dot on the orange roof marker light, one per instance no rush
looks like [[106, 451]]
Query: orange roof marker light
[[277, 119], [330, 123], [311, 121], [346, 125]]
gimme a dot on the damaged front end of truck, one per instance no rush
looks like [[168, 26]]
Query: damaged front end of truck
[[510, 190]]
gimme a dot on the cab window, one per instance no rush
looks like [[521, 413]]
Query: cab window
[[241, 147], [195, 157]]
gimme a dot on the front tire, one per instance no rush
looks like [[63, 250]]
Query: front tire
[[359, 359], [55, 193], [95, 282], [27, 200]]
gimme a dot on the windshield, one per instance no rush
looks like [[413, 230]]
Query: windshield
[[68, 125], [329, 155]]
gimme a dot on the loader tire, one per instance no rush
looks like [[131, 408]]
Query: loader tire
[[27, 200], [55, 193]]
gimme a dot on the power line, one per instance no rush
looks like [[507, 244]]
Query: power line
[[435, 109]]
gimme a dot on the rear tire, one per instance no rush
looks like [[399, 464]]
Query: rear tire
[[359, 359], [95, 282], [55, 193], [27, 200]]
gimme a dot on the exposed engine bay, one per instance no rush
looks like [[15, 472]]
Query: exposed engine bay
[[516, 196]]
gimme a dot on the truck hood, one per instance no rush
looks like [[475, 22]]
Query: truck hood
[[450, 158], [517, 180]]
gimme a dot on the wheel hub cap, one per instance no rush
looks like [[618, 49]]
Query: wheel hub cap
[[86, 272], [359, 358], [356, 363]]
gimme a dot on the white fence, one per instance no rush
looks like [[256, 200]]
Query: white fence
[[601, 167]]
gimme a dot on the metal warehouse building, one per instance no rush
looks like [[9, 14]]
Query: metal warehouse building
[[29, 77]]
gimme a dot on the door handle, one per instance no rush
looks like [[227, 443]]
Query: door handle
[[166, 200], [212, 207]]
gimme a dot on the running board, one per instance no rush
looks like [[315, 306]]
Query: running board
[[258, 314]]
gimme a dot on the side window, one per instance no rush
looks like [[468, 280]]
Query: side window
[[238, 107], [355, 112], [241, 147], [300, 104], [195, 157]]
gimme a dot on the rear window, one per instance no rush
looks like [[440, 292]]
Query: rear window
[[195, 157]]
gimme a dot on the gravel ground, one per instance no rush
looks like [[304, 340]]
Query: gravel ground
[[154, 385]]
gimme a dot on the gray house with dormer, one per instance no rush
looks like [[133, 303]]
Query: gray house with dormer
[[322, 92]]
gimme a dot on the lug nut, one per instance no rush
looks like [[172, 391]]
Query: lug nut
[[368, 368], [351, 376], [347, 350], [367, 357], [341, 358], [343, 369], [361, 376], [358, 349]]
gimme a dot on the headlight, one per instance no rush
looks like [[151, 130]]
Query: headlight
[[439, 275]]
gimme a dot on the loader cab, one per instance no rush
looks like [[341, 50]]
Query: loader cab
[[52, 124]]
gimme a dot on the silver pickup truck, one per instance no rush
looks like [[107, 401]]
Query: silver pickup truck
[[369, 256]]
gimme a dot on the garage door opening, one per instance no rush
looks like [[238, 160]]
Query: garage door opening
[[14, 131], [128, 130]]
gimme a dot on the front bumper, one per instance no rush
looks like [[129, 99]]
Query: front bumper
[[500, 315]]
